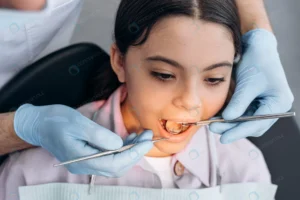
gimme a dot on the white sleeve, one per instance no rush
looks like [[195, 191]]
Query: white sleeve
[[29, 36], [10, 16]]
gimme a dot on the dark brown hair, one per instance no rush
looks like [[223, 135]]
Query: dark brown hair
[[135, 19]]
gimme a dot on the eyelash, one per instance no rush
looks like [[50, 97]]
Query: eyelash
[[159, 76]]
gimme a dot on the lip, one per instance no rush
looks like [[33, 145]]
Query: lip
[[183, 121], [174, 138]]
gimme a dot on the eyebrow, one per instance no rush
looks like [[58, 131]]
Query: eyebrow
[[177, 65]]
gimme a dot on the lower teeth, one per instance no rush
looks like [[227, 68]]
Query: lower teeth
[[175, 128]]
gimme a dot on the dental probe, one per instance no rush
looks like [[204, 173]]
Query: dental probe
[[241, 119], [124, 148]]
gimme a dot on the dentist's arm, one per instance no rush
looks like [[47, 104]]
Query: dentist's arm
[[253, 15], [9, 141], [67, 134], [23, 4], [261, 84]]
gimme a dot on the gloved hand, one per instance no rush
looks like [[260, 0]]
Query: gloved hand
[[67, 134], [133, 138], [261, 88]]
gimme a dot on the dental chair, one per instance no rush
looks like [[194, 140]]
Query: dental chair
[[61, 78]]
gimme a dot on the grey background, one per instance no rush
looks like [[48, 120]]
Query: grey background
[[97, 18]]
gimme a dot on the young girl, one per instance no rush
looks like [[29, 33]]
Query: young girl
[[172, 61]]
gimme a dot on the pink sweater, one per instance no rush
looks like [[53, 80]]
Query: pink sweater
[[240, 161]]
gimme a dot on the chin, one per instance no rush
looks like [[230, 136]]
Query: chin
[[175, 143], [167, 147]]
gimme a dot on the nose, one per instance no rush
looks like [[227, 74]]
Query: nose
[[190, 99]]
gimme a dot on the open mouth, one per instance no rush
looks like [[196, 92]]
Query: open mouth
[[173, 127], [174, 131]]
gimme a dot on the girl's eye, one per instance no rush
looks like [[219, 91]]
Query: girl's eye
[[215, 81], [161, 76]]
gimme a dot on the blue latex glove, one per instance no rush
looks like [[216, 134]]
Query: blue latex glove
[[261, 88], [67, 134]]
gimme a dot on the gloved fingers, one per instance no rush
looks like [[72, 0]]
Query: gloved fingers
[[116, 162], [72, 149], [129, 139], [107, 164], [246, 129], [134, 138], [87, 131], [147, 135], [272, 105], [99, 136], [267, 105], [247, 86], [240, 101], [220, 127], [132, 155]]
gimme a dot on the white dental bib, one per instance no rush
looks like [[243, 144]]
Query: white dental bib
[[67, 191]]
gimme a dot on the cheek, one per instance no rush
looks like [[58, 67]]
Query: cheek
[[213, 107], [143, 91], [146, 102], [214, 102]]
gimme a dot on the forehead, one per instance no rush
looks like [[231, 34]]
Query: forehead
[[189, 41]]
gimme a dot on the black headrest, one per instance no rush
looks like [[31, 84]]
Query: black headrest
[[59, 78]]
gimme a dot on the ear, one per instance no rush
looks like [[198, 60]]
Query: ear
[[117, 61]]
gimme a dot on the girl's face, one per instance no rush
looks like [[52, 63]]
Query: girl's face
[[181, 73]]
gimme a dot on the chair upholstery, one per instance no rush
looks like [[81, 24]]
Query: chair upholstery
[[59, 78], [280, 146]]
